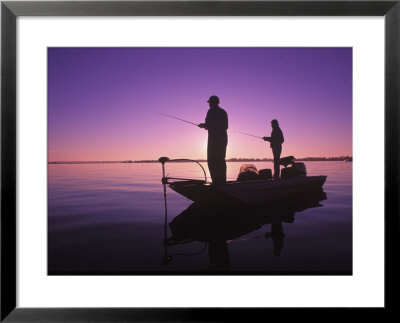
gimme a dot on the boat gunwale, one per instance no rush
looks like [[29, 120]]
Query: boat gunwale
[[243, 183]]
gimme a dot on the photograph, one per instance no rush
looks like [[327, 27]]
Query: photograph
[[200, 160]]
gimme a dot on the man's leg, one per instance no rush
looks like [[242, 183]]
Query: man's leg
[[277, 157], [220, 170], [221, 161], [217, 168], [211, 168], [216, 152], [212, 160]]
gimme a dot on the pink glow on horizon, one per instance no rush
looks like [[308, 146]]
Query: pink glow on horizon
[[104, 104]]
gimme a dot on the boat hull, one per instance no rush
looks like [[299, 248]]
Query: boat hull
[[248, 192]]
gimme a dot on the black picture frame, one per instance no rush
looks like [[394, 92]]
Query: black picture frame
[[10, 10]]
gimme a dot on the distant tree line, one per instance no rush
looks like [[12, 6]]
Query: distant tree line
[[246, 160], [340, 158]]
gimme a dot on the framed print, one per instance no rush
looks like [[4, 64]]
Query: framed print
[[162, 159]]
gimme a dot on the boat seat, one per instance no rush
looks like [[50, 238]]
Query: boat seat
[[248, 172]]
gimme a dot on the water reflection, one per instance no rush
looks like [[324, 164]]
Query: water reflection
[[216, 226]]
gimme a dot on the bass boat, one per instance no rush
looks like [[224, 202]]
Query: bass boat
[[251, 187]]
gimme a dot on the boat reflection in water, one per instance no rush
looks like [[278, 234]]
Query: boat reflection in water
[[217, 225]]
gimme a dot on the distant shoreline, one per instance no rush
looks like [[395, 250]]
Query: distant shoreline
[[246, 160]]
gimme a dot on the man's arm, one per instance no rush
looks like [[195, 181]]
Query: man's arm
[[202, 125]]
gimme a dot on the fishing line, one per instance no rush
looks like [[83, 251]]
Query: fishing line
[[247, 134], [243, 133]]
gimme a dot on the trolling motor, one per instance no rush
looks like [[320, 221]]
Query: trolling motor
[[163, 160], [166, 260]]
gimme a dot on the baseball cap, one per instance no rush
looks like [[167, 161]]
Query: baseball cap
[[213, 98]]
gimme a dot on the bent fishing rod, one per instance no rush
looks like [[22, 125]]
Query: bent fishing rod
[[243, 133]]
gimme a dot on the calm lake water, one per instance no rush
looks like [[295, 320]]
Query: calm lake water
[[110, 219]]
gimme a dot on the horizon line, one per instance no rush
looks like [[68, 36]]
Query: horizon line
[[233, 159]]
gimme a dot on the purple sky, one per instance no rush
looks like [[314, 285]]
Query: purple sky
[[103, 103]]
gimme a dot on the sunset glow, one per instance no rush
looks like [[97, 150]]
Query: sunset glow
[[105, 103]]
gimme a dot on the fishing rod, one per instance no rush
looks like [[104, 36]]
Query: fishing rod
[[243, 133], [247, 134], [178, 119]]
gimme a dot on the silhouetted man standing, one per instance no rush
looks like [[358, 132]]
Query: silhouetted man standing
[[276, 140], [216, 124]]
